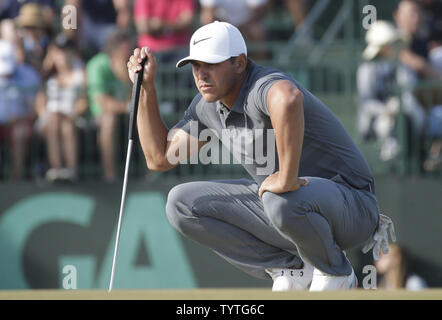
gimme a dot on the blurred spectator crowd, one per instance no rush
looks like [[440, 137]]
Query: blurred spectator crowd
[[399, 55], [63, 67], [63, 62]]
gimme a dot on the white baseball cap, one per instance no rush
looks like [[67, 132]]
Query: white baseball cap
[[7, 59], [380, 34], [214, 43]]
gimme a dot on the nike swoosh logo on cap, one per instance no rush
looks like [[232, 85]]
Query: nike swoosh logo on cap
[[195, 42]]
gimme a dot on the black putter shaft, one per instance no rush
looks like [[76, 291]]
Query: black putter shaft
[[135, 98]]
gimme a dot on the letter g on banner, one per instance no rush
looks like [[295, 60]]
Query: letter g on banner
[[19, 221]]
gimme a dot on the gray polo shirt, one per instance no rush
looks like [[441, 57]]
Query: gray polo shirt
[[247, 132]]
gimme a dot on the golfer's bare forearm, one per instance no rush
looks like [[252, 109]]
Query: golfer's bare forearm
[[287, 116], [289, 143], [151, 130]]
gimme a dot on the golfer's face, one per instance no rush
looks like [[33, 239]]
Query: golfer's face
[[213, 81]]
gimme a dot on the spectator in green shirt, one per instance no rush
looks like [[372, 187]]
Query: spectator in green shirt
[[109, 93]]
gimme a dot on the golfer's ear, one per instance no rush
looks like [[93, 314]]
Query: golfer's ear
[[241, 63]]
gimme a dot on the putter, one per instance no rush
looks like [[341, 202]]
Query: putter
[[132, 126]]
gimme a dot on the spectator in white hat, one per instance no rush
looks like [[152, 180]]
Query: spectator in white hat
[[378, 79]]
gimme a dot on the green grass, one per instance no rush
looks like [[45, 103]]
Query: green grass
[[219, 294]]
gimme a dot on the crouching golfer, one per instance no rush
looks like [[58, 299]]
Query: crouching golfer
[[294, 219]]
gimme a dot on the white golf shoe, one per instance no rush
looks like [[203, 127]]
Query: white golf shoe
[[291, 279], [322, 281]]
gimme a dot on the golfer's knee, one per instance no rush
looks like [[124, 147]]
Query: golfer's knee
[[178, 209]]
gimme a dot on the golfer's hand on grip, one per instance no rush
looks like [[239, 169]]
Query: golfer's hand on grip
[[150, 67]]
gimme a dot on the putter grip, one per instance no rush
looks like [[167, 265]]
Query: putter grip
[[135, 98]]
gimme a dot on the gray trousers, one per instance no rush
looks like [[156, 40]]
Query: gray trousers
[[316, 222]]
